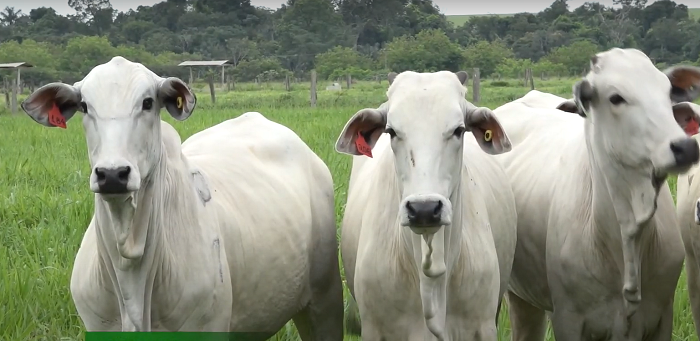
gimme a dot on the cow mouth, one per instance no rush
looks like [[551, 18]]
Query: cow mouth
[[424, 230]]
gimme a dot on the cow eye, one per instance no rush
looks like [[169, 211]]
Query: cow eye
[[83, 107], [147, 104], [617, 100], [391, 132], [459, 131]]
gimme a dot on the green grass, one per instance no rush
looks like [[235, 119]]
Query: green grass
[[694, 13], [460, 19], [46, 205]]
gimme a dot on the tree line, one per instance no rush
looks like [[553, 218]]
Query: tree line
[[363, 38]]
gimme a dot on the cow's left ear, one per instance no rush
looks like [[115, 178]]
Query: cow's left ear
[[177, 98], [489, 133], [687, 115]]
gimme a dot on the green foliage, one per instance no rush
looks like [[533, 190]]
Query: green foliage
[[250, 69], [341, 37], [342, 60], [487, 56], [429, 50], [575, 57]]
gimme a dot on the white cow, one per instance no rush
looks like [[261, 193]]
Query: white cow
[[596, 222], [428, 235], [688, 199], [234, 230]]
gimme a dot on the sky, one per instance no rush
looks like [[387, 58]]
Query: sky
[[449, 7]]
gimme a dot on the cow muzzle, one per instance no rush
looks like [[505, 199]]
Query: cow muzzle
[[114, 179], [425, 213]]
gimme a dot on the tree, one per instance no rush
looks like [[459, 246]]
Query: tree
[[341, 59], [486, 56], [575, 57], [86, 9], [10, 15], [429, 50]]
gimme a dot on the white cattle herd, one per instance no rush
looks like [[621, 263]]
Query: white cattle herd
[[558, 206]]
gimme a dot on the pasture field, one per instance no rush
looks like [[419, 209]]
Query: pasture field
[[46, 205]]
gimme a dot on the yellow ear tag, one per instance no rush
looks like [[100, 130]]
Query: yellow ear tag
[[488, 135], [179, 102]]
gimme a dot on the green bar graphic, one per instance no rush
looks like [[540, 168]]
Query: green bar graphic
[[170, 336]]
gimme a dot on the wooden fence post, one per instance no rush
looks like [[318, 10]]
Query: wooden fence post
[[211, 88], [349, 80], [313, 88], [532, 79], [476, 87], [287, 85]]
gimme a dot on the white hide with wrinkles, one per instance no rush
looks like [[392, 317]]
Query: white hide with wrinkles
[[232, 230], [688, 208], [402, 293], [595, 243]]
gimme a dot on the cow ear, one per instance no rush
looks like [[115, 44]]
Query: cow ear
[[362, 132], [583, 96], [52, 104], [568, 106], [685, 83], [463, 76], [391, 76], [177, 98], [489, 133], [687, 115]]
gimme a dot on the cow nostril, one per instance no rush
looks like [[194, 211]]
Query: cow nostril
[[100, 173], [438, 209], [410, 210], [123, 173]]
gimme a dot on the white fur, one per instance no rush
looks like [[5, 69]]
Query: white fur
[[445, 284], [688, 199], [592, 233], [232, 230]]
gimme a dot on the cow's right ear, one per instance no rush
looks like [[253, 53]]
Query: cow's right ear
[[52, 104], [583, 96], [568, 106], [362, 131]]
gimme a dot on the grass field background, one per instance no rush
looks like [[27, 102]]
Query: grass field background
[[46, 204], [459, 20]]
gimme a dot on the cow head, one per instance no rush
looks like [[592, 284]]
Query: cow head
[[643, 111], [120, 101], [426, 117]]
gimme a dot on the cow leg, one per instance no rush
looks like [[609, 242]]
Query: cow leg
[[665, 330], [567, 325], [528, 323], [693, 276], [322, 318]]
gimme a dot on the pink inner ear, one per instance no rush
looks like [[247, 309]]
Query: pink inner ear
[[692, 127]]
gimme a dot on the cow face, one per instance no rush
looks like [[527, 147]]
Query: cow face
[[120, 102], [426, 118], [637, 119]]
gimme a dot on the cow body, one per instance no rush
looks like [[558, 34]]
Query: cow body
[[688, 209], [232, 230], [596, 228], [398, 294]]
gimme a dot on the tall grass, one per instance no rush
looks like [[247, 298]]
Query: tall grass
[[46, 205]]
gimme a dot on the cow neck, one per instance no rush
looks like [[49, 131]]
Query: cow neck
[[433, 280], [135, 236], [622, 221]]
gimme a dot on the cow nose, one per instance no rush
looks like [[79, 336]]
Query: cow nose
[[112, 180], [424, 213], [685, 151]]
